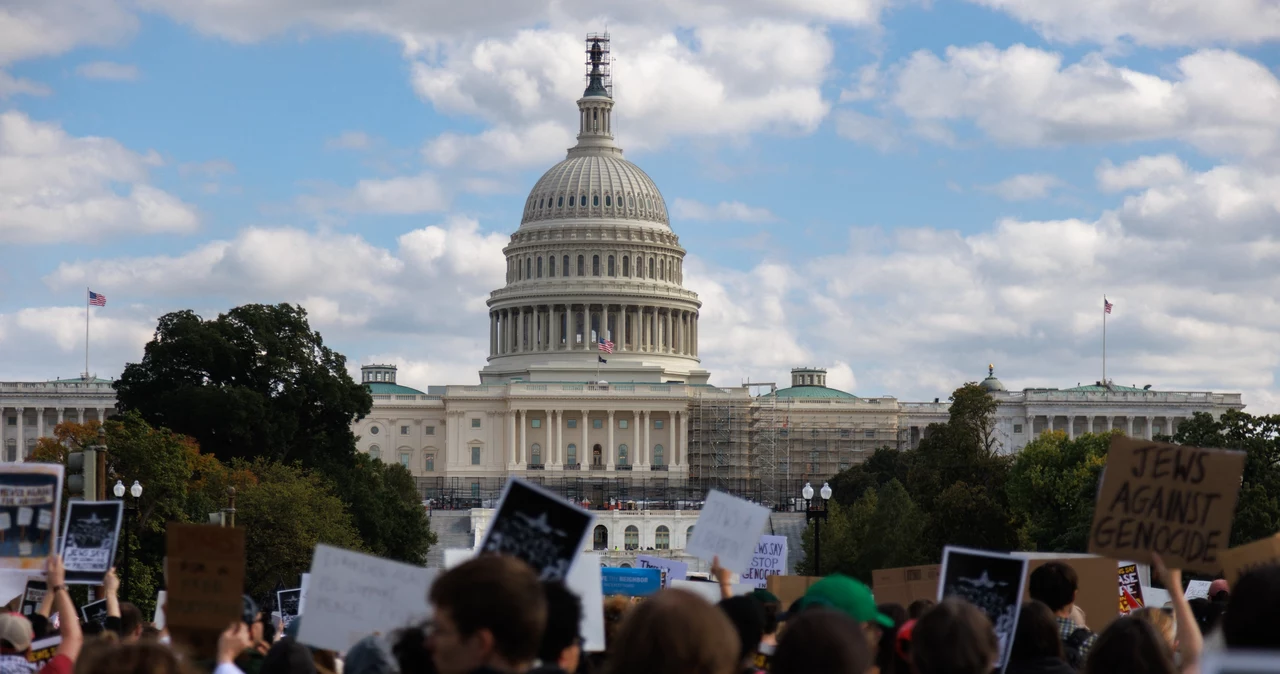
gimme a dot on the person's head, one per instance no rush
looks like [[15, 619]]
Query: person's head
[[852, 598], [747, 617], [1129, 646], [886, 656], [562, 640], [489, 611], [1037, 635], [954, 637], [16, 633], [615, 607], [772, 607], [821, 640], [1207, 613], [1217, 588], [919, 607], [1252, 619], [130, 621], [371, 655], [409, 645], [135, 658], [287, 656], [1162, 620], [675, 632], [252, 616], [1055, 584]]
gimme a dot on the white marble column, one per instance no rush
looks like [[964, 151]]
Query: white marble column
[[610, 450], [102, 415], [684, 441], [648, 444], [1071, 427], [4, 423], [40, 422], [584, 452], [22, 433], [511, 439], [522, 420], [557, 435]]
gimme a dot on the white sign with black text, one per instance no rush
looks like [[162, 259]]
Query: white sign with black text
[[729, 528]]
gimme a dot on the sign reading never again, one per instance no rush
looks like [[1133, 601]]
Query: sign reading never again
[[1167, 499]]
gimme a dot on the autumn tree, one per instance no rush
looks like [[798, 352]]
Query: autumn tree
[[1052, 489]]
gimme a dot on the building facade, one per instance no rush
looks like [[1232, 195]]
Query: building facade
[[31, 410]]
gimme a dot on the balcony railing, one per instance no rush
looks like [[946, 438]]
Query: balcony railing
[[537, 466], [658, 467], [573, 466], [623, 466]]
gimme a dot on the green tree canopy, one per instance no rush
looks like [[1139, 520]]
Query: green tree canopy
[[1258, 511], [1052, 489]]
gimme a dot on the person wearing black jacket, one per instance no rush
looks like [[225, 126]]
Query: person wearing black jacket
[[1037, 646]]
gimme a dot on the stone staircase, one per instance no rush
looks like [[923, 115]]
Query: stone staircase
[[453, 530]]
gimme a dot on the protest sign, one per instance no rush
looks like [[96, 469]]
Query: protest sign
[[456, 556], [89, 540], [584, 580], [32, 595], [770, 559], [905, 584], [302, 594], [288, 602], [710, 590], [42, 651], [992, 581], [204, 570], [352, 595], [1197, 589], [158, 618], [1130, 589], [671, 569], [30, 502], [534, 525], [630, 582], [1240, 560], [95, 613], [1168, 499], [1096, 590], [729, 528], [1217, 661]]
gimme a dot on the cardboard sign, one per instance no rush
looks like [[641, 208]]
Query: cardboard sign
[[630, 582], [32, 596], [204, 572], [42, 651], [1238, 561], [1096, 594], [95, 613], [994, 582], [89, 540], [1197, 589], [906, 584], [288, 602], [670, 568], [352, 595], [729, 528], [770, 560], [30, 502], [584, 580], [710, 590], [534, 525], [1173, 500], [790, 588], [1130, 589]]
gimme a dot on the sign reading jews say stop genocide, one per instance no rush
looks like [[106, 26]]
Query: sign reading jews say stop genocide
[[1166, 499]]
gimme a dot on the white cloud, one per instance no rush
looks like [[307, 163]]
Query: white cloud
[[1218, 101], [732, 211], [14, 86], [47, 342], [31, 28], [867, 84], [502, 147], [107, 70], [877, 132], [402, 195], [55, 187], [1025, 187], [349, 140], [1142, 172], [1158, 24]]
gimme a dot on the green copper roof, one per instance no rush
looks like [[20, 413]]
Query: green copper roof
[[813, 392], [385, 388], [1096, 388], [81, 380]]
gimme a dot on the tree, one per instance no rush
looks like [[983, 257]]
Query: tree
[[1053, 487], [1258, 510], [882, 529], [972, 517], [386, 508]]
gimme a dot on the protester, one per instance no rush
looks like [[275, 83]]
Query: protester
[[490, 613], [1253, 613], [675, 632], [561, 647], [822, 641], [887, 661], [1162, 620], [954, 637], [852, 598], [16, 632], [919, 607], [1056, 584], [769, 641], [1190, 642], [1130, 646], [250, 659], [1037, 645], [409, 645], [287, 656], [371, 655], [747, 617]]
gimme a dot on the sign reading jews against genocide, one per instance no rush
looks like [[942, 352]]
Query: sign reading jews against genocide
[[289, 603], [534, 525], [1167, 499], [729, 528], [670, 568], [32, 596], [351, 595], [89, 540], [204, 571], [1130, 589], [991, 581], [1238, 561], [30, 499], [770, 560]]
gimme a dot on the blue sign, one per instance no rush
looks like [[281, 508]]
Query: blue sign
[[630, 582]]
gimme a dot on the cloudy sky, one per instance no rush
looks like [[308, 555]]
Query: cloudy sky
[[899, 190]]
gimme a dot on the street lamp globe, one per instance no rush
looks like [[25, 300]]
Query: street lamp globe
[[826, 491], [118, 490], [136, 490], [807, 492]]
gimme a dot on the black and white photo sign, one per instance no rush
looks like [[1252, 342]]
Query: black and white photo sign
[[993, 582], [89, 541], [538, 527]]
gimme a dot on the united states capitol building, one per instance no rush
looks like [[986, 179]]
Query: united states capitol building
[[594, 388]]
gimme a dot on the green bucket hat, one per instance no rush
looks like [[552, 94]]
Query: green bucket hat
[[848, 596]]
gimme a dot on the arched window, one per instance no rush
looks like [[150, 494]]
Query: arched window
[[608, 201], [571, 200], [539, 267], [566, 265], [622, 455], [596, 457], [662, 270], [535, 454], [528, 267], [651, 268], [595, 265], [540, 201], [631, 537], [688, 534], [595, 200], [658, 458], [560, 202], [631, 202], [600, 538], [662, 538], [572, 454], [626, 266], [430, 463], [375, 453], [611, 269], [582, 201], [551, 266], [582, 265]]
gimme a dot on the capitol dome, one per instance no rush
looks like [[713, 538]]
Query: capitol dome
[[595, 275]]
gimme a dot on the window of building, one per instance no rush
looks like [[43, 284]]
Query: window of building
[[404, 430], [404, 459], [631, 537], [662, 538], [475, 489], [869, 433], [622, 455], [600, 538], [650, 267], [429, 430], [657, 424], [631, 202], [688, 534], [595, 200], [565, 267], [626, 266], [535, 454], [475, 423], [430, 463], [844, 466], [662, 270], [373, 430], [573, 454], [475, 456], [551, 266], [375, 453], [571, 200], [622, 423], [13, 421], [607, 200], [658, 456], [582, 265], [611, 270], [844, 432], [813, 433], [595, 265], [1017, 428], [539, 267], [573, 423], [535, 423], [560, 202], [597, 423]]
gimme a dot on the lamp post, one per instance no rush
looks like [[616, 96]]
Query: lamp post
[[136, 492], [817, 517], [230, 510]]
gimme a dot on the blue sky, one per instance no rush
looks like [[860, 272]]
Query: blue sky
[[899, 191]]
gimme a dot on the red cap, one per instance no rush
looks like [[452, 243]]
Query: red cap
[[902, 644]]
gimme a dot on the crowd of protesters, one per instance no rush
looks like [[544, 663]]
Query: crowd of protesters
[[492, 615]]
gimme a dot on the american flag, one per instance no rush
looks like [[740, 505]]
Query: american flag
[[606, 345], [1106, 306], [97, 300]]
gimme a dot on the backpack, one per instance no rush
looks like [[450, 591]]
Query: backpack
[[1073, 648]]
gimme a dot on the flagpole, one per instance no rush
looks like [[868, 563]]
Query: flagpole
[[1104, 340], [86, 333]]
